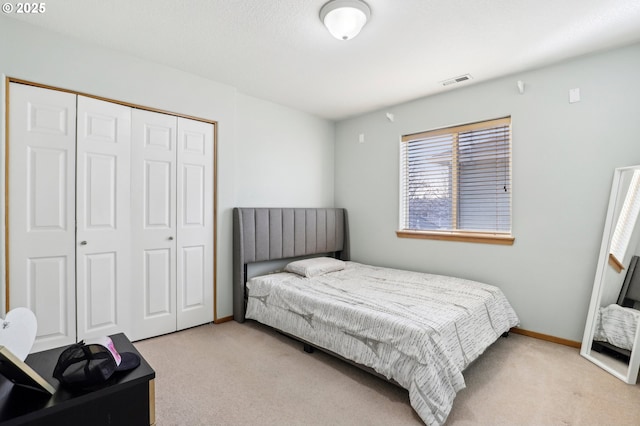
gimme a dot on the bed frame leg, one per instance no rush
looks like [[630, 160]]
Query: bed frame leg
[[308, 348]]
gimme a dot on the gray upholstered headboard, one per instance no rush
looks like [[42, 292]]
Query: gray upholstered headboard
[[261, 234]]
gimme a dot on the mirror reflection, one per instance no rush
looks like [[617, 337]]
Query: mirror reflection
[[612, 333]]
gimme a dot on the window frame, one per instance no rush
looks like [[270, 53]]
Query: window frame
[[487, 237]]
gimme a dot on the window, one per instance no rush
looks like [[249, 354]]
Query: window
[[455, 183]]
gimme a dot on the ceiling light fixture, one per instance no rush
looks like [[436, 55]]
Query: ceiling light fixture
[[345, 18]]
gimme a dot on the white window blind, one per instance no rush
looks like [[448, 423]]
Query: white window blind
[[626, 222], [457, 179]]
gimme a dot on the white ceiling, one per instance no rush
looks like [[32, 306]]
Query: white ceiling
[[278, 50]]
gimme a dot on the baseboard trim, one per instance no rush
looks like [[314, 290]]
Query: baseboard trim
[[554, 339], [224, 319]]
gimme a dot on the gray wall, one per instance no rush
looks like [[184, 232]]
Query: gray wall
[[283, 156], [255, 138], [563, 161]]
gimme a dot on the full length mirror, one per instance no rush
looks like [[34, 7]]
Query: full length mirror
[[611, 337]]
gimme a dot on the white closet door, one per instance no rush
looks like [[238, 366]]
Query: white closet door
[[153, 208], [103, 212], [195, 223], [41, 231]]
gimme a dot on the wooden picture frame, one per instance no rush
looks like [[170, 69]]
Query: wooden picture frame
[[20, 373]]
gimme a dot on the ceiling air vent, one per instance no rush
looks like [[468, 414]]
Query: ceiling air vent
[[456, 80]]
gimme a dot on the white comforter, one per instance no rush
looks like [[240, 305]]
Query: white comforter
[[418, 329], [617, 325]]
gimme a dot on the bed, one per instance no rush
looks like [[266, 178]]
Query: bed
[[617, 323], [417, 330]]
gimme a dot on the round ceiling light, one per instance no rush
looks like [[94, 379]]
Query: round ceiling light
[[345, 18]]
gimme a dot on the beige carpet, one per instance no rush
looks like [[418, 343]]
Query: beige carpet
[[247, 374]]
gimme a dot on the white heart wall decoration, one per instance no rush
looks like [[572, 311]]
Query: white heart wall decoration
[[18, 332]]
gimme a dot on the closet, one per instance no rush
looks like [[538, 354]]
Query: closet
[[110, 217]]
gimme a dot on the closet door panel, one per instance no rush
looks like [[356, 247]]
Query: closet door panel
[[158, 195], [157, 283], [100, 292], [154, 234], [47, 297], [100, 209], [193, 276], [195, 223], [193, 195], [41, 219], [47, 207], [103, 216]]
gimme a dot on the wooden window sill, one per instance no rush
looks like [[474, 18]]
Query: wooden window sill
[[470, 237], [615, 263]]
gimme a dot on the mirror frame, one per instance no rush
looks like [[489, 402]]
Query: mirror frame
[[617, 368]]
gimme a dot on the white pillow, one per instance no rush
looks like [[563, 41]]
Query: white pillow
[[315, 266]]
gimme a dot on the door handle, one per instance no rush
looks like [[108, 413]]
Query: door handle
[[170, 238], [83, 243]]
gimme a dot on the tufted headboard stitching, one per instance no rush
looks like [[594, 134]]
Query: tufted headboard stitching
[[261, 234]]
